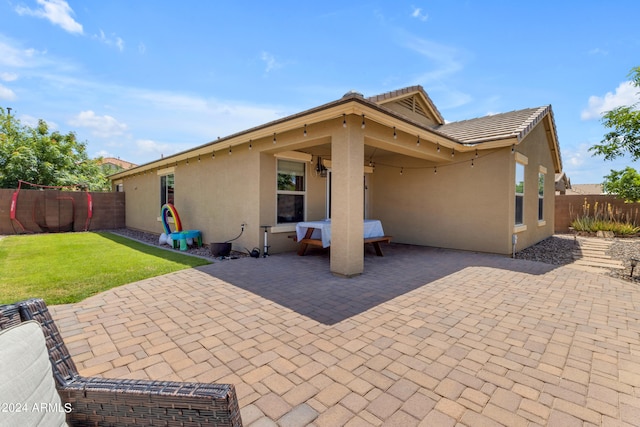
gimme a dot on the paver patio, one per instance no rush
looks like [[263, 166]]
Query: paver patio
[[425, 337]]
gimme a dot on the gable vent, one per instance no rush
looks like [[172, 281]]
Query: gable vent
[[412, 105]]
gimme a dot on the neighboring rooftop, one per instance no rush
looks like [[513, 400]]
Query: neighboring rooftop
[[585, 189], [563, 183], [116, 163]]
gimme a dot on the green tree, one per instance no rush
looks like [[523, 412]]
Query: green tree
[[35, 155], [624, 123], [624, 184]]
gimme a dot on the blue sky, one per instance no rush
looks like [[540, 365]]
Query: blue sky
[[138, 79]]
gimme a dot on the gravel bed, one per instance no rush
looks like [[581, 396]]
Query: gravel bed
[[556, 250], [624, 249], [153, 239]]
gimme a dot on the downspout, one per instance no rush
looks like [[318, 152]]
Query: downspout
[[514, 241]]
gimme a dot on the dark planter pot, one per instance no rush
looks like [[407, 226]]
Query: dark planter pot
[[220, 249]]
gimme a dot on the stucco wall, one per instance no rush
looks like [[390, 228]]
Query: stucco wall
[[536, 150], [214, 196], [278, 238], [217, 195], [459, 207], [464, 207]]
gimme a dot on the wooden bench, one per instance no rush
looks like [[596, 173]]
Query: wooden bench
[[375, 241], [306, 242]]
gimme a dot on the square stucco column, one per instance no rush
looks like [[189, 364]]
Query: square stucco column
[[347, 200]]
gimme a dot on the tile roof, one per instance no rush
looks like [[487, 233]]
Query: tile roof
[[515, 124]]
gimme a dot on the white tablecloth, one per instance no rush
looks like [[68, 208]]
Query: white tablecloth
[[322, 230]]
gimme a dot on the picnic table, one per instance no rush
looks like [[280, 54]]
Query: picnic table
[[318, 233]]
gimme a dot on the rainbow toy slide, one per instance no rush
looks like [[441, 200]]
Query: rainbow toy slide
[[179, 237], [166, 209]]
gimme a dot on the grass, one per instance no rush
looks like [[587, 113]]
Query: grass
[[64, 268]]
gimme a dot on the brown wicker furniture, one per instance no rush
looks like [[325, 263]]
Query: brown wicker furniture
[[111, 402]]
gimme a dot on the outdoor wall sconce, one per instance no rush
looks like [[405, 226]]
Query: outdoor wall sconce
[[634, 262], [321, 171]]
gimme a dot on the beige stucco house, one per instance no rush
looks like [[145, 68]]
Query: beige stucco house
[[478, 185]]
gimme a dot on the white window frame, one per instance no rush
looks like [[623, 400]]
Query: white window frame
[[520, 160], [542, 174], [302, 193], [164, 195]]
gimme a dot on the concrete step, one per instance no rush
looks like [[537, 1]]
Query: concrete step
[[595, 247], [591, 254], [596, 244], [598, 263], [588, 268]]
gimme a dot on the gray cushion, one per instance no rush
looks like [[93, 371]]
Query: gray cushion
[[28, 395]]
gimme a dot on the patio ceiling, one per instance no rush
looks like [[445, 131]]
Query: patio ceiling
[[375, 152]]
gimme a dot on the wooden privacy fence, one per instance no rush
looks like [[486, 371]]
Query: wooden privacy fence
[[570, 206], [39, 211]]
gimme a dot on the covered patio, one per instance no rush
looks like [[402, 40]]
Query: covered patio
[[423, 337], [389, 157]]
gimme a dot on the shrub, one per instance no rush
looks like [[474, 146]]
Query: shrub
[[606, 218]]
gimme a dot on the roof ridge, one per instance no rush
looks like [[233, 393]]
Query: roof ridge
[[493, 115], [533, 120], [394, 93]]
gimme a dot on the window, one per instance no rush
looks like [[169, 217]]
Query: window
[[167, 189], [291, 191], [519, 194], [540, 196]]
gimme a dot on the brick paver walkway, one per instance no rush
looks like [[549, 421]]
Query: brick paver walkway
[[425, 337]]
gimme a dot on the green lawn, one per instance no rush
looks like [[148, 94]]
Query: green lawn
[[69, 267]]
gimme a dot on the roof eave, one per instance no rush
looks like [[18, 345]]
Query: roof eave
[[349, 104]]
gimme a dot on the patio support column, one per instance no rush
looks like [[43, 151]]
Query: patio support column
[[347, 200]]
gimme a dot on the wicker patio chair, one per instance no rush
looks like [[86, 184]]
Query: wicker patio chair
[[111, 402]]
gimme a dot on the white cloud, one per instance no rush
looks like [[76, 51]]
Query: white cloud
[[110, 41], [100, 126], [7, 94], [8, 77], [149, 147], [418, 14], [270, 61], [28, 120], [445, 60], [31, 121], [598, 51], [13, 56], [103, 153], [58, 12], [626, 94], [576, 157]]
